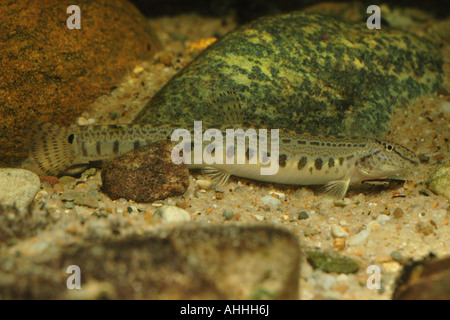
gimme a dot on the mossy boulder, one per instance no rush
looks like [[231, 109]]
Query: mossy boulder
[[305, 71]]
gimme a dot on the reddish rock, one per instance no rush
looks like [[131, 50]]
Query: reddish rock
[[145, 175], [51, 73]]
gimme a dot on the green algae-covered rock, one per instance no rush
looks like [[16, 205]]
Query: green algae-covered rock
[[439, 181], [332, 262], [304, 71]]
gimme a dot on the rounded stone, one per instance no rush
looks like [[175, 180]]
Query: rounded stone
[[269, 200], [51, 73], [18, 187], [172, 214], [339, 231], [145, 175]]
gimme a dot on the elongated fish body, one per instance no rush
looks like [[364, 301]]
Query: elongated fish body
[[303, 159], [227, 149]]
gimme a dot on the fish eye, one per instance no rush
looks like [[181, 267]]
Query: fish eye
[[70, 138]]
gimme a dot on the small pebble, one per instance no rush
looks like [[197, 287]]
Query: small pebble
[[303, 215], [58, 187], [269, 200], [340, 204], [278, 195], [397, 256], [204, 184], [50, 179], [66, 180], [227, 215], [220, 195], [424, 227], [339, 243], [358, 238], [392, 266], [172, 214], [80, 198], [373, 225], [339, 231], [398, 213], [308, 232], [383, 218], [82, 121], [259, 217], [69, 205]]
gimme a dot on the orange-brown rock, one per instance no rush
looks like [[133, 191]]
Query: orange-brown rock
[[51, 73]]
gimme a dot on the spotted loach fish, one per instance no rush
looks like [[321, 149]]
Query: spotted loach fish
[[303, 159]]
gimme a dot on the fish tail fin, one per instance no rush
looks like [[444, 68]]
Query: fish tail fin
[[50, 148]]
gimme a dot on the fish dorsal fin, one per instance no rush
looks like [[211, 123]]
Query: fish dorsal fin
[[225, 109], [50, 148]]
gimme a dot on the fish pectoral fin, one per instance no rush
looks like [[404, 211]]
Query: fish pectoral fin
[[219, 177], [337, 188]]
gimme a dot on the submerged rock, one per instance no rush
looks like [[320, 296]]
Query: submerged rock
[[187, 262], [304, 71], [50, 73], [18, 187], [439, 181], [145, 175], [172, 214], [329, 262], [428, 279]]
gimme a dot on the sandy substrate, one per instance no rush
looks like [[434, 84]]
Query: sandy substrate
[[380, 225]]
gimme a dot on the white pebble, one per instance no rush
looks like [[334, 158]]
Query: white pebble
[[326, 281], [358, 238], [373, 225], [339, 232], [18, 187], [391, 266], [271, 200], [382, 218], [259, 217], [82, 121], [172, 214], [203, 184]]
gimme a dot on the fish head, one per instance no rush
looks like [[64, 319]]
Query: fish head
[[385, 158]]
